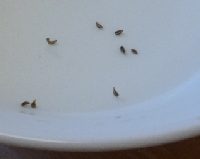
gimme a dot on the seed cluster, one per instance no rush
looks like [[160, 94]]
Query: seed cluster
[[33, 104], [119, 32], [122, 49]]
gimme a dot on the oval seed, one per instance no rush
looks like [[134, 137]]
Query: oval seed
[[134, 51], [122, 49], [99, 25], [23, 104], [115, 93], [33, 104], [119, 32], [51, 42]]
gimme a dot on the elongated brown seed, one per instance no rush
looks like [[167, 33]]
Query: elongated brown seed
[[51, 42], [134, 51], [99, 25], [115, 93], [119, 32], [25, 103], [123, 50], [33, 104]]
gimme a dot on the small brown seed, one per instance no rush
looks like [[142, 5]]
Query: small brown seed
[[25, 103], [115, 93], [99, 25], [134, 51], [123, 50], [51, 42], [119, 32], [33, 104]]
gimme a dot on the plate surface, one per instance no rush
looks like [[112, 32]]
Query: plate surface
[[72, 81]]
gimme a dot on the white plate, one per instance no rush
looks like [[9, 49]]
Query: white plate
[[73, 80]]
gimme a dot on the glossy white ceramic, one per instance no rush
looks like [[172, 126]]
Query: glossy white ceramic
[[73, 80]]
